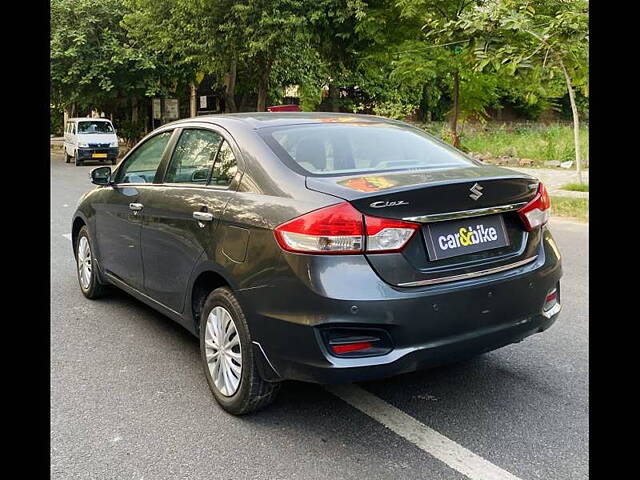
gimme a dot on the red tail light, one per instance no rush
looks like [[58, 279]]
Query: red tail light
[[536, 212], [341, 229]]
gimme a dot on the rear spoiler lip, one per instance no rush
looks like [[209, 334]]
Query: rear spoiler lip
[[335, 189]]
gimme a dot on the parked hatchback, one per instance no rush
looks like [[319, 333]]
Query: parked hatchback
[[319, 247], [90, 139]]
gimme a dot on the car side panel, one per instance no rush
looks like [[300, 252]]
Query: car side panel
[[172, 241], [249, 217], [118, 230]]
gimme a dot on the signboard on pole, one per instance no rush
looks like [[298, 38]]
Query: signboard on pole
[[171, 108], [203, 102], [156, 108]]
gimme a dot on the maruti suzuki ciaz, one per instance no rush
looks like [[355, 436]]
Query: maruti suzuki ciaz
[[319, 247]]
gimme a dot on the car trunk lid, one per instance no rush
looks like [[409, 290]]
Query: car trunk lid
[[426, 192], [435, 197]]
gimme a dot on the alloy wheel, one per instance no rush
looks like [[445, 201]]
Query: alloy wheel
[[223, 351], [84, 263]]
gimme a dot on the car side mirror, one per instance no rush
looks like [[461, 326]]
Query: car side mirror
[[101, 176]]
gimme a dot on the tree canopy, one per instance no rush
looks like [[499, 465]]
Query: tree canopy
[[423, 59]]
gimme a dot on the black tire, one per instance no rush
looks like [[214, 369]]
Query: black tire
[[253, 393], [113, 162], [77, 161], [67, 157], [94, 289]]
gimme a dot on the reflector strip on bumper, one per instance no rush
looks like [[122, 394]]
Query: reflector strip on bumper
[[552, 311]]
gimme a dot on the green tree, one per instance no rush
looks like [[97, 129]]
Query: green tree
[[222, 37], [182, 31], [550, 36], [444, 41], [93, 66]]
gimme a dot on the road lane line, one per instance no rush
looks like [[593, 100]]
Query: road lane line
[[67, 236], [451, 453]]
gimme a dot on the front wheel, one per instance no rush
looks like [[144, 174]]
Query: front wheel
[[67, 157], [76, 160], [227, 356]]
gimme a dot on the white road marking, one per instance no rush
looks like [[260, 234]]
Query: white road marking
[[67, 236], [451, 453]]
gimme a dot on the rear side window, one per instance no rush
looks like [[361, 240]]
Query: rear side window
[[225, 167], [193, 157], [142, 164], [333, 149]]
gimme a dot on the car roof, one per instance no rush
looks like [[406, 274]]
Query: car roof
[[258, 120], [75, 119]]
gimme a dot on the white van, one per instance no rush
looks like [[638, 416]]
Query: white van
[[90, 139]]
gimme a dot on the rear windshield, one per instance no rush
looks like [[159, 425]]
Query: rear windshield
[[333, 149], [94, 127]]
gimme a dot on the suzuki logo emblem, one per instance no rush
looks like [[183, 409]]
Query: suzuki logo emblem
[[476, 191]]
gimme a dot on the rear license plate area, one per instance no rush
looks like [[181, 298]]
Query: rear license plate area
[[460, 237]]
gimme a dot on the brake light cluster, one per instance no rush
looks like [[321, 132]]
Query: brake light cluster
[[341, 229], [536, 213]]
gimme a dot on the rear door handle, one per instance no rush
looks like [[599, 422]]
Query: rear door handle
[[136, 207], [203, 216]]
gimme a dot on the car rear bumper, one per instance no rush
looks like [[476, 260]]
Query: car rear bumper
[[429, 326], [406, 360]]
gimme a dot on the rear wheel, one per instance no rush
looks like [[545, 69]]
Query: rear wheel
[[85, 260], [227, 356]]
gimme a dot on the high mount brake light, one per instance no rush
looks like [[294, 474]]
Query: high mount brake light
[[341, 229], [536, 213]]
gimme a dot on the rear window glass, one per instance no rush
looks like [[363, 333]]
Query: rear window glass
[[343, 149], [94, 127]]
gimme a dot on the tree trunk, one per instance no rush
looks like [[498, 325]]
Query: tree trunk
[[334, 96], [134, 109], [263, 85], [146, 115], [192, 102], [230, 87], [456, 108], [576, 120]]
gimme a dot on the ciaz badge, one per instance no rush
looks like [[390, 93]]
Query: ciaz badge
[[383, 204]]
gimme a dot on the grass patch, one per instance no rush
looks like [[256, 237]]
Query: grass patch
[[536, 141], [577, 208], [576, 187]]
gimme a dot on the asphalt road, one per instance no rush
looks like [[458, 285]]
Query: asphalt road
[[129, 399]]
